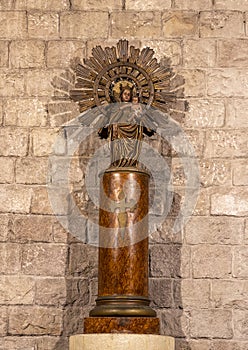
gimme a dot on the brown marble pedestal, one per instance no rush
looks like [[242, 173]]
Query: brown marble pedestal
[[132, 325], [122, 304]]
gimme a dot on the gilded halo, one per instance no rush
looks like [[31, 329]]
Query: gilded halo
[[99, 78]]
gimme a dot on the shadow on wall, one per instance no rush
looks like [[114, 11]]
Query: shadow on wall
[[82, 260], [80, 289], [169, 260], [166, 273]]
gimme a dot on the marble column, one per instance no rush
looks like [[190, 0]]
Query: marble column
[[122, 304]]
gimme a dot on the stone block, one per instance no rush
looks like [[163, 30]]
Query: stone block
[[11, 83], [185, 269], [202, 207], [214, 230], [44, 259], [27, 54], [1, 113], [233, 202], [225, 24], [78, 293], [196, 140], [7, 170], [198, 344], [194, 294], [31, 170], [107, 42], [43, 141], [83, 259], [25, 112], [40, 202], [211, 261], [205, 113], [73, 319], [178, 176], [229, 294], [140, 25], [60, 235], [15, 199], [241, 5], [93, 292], [35, 321], [236, 116], [211, 324], [215, 172], [4, 49], [240, 262], [245, 21], [166, 233], [51, 291], [97, 5], [155, 5], [42, 5], [227, 82], [52, 342], [173, 323], [165, 50], [226, 143], [177, 24], [31, 228], [39, 83], [232, 53], [229, 345], [6, 5], [43, 25], [30, 342], [13, 24], [195, 82], [4, 223], [13, 142], [212, 172], [161, 292], [240, 324], [56, 202], [240, 173], [199, 53], [56, 50], [59, 167], [16, 290], [84, 25], [193, 4], [62, 112], [165, 260], [3, 322], [10, 258], [246, 232]]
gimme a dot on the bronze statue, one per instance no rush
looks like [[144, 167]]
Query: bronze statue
[[127, 83], [125, 130]]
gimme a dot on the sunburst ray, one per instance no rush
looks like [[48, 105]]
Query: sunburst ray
[[97, 79]]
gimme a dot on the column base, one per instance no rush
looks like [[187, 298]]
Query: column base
[[121, 342], [122, 306], [135, 325]]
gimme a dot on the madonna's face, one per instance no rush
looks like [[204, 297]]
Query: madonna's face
[[126, 95]]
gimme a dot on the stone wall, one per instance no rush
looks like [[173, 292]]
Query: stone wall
[[199, 277]]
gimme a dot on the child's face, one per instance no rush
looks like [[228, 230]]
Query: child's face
[[135, 100], [126, 95]]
